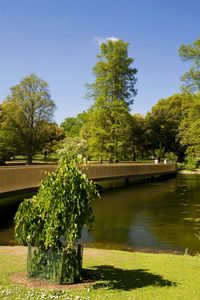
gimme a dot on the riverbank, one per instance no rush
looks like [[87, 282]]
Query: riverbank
[[187, 172], [111, 274]]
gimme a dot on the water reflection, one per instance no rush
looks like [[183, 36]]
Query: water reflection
[[155, 216], [160, 216], [8, 207]]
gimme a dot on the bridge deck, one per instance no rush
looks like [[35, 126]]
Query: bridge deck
[[13, 178]]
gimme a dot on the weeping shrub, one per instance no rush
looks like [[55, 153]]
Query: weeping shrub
[[52, 222]]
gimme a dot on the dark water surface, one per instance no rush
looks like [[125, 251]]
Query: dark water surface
[[160, 216]]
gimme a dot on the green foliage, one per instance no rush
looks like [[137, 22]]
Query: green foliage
[[28, 222], [53, 219], [170, 156], [71, 126], [115, 77], [189, 164], [189, 129], [191, 78], [7, 141], [26, 114], [108, 128], [192, 163], [59, 210], [76, 146], [54, 136], [138, 145], [7, 146], [163, 123]]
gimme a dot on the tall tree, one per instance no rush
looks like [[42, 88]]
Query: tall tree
[[113, 92], [108, 131], [26, 112], [191, 78], [115, 76]]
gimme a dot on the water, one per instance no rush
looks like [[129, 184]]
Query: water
[[161, 216], [8, 207]]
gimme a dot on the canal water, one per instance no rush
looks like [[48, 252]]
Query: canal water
[[160, 216]]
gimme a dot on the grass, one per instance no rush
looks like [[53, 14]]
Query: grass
[[117, 274]]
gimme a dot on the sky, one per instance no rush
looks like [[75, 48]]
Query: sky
[[59, 39]]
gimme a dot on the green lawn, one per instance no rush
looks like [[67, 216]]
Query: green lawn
[[117, 274]]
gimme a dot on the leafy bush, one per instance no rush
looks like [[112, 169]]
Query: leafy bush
[[189, 164], [53, 219], [192, 163]]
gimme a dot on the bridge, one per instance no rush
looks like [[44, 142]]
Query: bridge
[[16, 178]]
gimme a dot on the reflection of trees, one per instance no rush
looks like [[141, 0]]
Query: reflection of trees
[[177, 225], [8, 208], [120, 209], [160, 209]]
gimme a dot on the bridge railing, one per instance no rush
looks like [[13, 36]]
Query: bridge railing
[[14, 178]]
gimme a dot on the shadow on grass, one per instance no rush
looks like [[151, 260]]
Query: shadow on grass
[[119, 279]]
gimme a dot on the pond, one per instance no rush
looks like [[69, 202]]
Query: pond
[[160, 216]]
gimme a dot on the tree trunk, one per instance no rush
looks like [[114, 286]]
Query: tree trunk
[[181, 157], [29, 159]]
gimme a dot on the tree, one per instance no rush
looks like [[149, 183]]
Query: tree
[[113, 92], [192, 77], [189, 129], [53, 220], [7, 146], [74, 145], [163, 124], [108, 131], [54, 136], [115, 77], [139, 143], [26, 112], [7, 142], [71, 126]]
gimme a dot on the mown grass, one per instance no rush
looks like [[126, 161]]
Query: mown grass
[[117, 275]]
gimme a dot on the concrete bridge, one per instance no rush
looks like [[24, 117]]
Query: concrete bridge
[[16, 178]]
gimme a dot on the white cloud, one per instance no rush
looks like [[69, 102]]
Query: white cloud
[[112, 38], [100, 40]]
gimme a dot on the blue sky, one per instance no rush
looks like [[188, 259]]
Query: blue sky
[[56, 39]]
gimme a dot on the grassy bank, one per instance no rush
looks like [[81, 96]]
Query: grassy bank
[[116, 274]]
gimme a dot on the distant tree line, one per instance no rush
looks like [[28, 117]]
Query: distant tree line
[[107, 130], [111, 132]]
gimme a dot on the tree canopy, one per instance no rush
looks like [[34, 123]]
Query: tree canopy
[[115, 76], [108, 131], [139, 144], [71, 126], [189, 130], [26, 113], [113, 92], [163, 124], [191, 78]]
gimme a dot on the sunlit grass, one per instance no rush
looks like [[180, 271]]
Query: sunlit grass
[[116, 275]]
